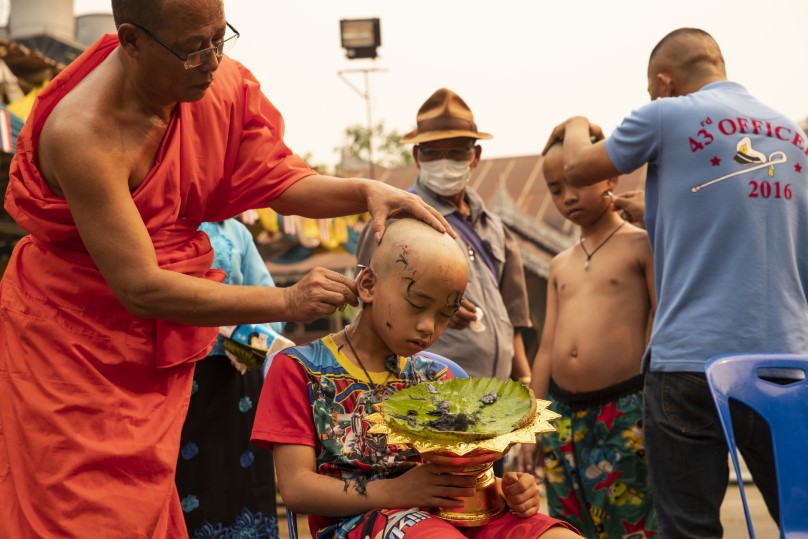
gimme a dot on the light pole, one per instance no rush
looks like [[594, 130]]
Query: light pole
[[360, 39]]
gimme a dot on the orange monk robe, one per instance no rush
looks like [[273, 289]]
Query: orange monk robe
[[92, 399]]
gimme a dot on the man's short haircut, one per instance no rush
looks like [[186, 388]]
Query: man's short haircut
[[681, 32], [146, 13], [693, 53]]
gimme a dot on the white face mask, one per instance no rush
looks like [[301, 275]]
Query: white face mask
[[445, 177]]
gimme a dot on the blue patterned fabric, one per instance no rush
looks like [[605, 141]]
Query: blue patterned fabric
[[227, 486], [246, 526], [234, 252]]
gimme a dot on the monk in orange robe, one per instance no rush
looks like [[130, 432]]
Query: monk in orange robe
[[108, 302]]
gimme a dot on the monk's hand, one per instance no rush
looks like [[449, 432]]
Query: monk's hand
[[521, 493], [319, 293], [560, 131], [464, 315], [386, 202]]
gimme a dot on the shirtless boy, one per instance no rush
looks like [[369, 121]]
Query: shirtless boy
[[600, 300]]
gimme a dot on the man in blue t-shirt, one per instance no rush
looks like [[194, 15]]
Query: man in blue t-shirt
[[726, 207]]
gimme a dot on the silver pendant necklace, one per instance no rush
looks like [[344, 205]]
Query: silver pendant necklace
[[601, 244]]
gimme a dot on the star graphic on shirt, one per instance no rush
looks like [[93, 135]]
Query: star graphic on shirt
[[715, 160], [797, 167], [608, 414], [638, 526]]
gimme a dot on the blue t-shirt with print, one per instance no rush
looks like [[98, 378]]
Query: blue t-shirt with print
[[727, 216]]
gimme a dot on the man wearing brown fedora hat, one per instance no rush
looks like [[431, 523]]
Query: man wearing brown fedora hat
[[483, 336]]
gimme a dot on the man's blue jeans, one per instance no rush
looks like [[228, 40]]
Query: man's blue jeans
[[687, 454]]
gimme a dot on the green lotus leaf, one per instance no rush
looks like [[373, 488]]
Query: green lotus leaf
[[461, 409]]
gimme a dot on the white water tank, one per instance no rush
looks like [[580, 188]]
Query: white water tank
[[37, 17], [91, 26]]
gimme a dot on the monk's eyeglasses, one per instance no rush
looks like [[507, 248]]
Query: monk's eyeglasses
[[197, 58]]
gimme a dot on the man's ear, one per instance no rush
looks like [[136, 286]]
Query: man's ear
[[366, 285], [667, 83], [128, 37], [478, 151]]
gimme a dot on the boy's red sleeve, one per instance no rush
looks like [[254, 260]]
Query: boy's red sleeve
[[283, 414]]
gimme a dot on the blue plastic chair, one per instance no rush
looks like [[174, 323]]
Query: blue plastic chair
[[456, 370], [774, 386]]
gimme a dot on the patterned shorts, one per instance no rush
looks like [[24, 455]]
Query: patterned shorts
[[595, 470]]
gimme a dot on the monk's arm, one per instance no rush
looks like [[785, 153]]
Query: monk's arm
[[320, 196], [95, 184]]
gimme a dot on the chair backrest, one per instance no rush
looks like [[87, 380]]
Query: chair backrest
[[456, 370], [774, 386]]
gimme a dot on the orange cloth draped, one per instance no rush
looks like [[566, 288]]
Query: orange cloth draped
[[92, 399]]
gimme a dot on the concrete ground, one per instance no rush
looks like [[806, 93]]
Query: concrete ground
[[732, 516]]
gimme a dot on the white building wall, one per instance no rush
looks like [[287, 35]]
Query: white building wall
[[35, 17], [92, 26]]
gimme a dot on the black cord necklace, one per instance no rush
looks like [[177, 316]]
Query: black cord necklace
[[595, 250], [373, 386]]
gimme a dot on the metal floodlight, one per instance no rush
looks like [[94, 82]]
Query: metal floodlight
[[360, 37]]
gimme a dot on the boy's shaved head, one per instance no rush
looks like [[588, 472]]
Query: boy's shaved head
[[411, 246], [553, 163], [414, 286]]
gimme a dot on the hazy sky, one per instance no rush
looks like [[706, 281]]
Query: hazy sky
[[522, 65]]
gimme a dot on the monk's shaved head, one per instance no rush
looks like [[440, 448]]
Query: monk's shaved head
[[690, 56], [145, 12], [153, 14]]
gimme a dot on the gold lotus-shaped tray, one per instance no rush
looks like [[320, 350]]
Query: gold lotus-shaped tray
[[516, 416]]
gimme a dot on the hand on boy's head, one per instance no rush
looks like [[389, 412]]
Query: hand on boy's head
[[595, 133], [319, 293], [464, 316], [388, 202], [521, 493], [560, 131]]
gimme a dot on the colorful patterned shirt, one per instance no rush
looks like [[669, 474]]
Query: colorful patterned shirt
[[316, 396]]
